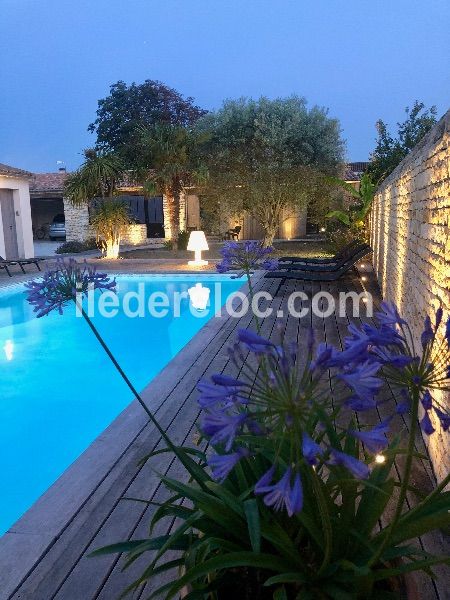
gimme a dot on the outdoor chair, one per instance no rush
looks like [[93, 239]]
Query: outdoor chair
[[320, 275], [5, 265], [321, 267], [319, 261], [21, 262], [232, 234]]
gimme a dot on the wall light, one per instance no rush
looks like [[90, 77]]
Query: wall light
[[197, 243], [199, 296], [380, 459]]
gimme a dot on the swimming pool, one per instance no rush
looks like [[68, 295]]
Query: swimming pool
[[58, 389]]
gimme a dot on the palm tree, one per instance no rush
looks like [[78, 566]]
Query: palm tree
[[98, 177], [167, 168]]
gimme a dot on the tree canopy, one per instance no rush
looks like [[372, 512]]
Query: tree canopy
[[128, 108], [266, 156], [390, 151]]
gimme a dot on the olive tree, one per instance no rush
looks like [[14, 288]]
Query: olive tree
[[268, 157]]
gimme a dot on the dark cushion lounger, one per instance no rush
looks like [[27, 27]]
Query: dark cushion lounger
[[21, 262], [304, 275], [5, 265], [335, 266], [344, 252]]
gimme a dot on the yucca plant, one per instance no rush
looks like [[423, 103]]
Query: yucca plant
[[97, 177], [110, 220]]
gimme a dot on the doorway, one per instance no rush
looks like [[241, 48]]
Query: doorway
[[9, 224]]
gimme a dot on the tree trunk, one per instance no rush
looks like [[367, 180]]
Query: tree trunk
[[270, 230], [171, 209]]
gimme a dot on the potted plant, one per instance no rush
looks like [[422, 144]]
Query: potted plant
[[287, 498]]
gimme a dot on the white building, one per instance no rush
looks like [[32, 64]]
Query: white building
[[16, 233]]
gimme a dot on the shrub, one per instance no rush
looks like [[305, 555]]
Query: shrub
[[75, 247], [183, 238]]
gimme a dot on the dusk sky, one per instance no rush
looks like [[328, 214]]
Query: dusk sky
[[361, 59]]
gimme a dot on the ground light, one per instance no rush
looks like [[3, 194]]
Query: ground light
[[197, 243]]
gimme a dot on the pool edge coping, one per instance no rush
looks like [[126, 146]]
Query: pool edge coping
[[34, 533]]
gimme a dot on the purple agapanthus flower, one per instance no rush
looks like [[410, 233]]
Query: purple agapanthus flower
[[375, 439], [382, 336], [283, 493], [389, 315], [362, 379], [359, 469], [255, 342], [222, 427], [279, 401], [396, 360], [246, 256], [60, 285], [323, 356], [310, 449], [212, 395], [222, 464]]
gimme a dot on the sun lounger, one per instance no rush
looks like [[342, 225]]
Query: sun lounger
[[320, 275]]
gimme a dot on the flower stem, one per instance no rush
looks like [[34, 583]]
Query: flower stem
[[405, 479], [251, 291], [136, 394]]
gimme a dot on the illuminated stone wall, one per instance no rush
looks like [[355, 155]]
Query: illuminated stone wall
[[410, 236]]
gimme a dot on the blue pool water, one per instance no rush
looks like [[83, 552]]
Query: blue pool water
[[58, 390]]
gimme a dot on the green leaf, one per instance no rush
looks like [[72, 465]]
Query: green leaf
[[269, 562], [280, 594], [410, 567], [193, 451], [141, 545], [340, 215], [293, 577], [212, 506], [253, 523], [227, 497]]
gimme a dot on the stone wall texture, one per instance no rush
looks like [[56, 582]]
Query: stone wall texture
[[78, 228], [136, 234], [77, 223], [410, 237]]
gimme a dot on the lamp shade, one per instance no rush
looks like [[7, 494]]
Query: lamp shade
[[197, 241]]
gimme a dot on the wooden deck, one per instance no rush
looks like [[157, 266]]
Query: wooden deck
[[87, 509]]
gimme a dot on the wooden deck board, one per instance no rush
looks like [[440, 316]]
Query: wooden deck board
[[65, 572]]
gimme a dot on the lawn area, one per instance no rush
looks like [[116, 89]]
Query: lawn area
[[304, 249]]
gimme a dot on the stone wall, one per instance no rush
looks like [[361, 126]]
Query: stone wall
[[77, 223], [136, 234], [78, 227], [410, 236]]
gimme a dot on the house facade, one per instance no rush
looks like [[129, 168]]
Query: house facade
[[16, 233], [150, 219]]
